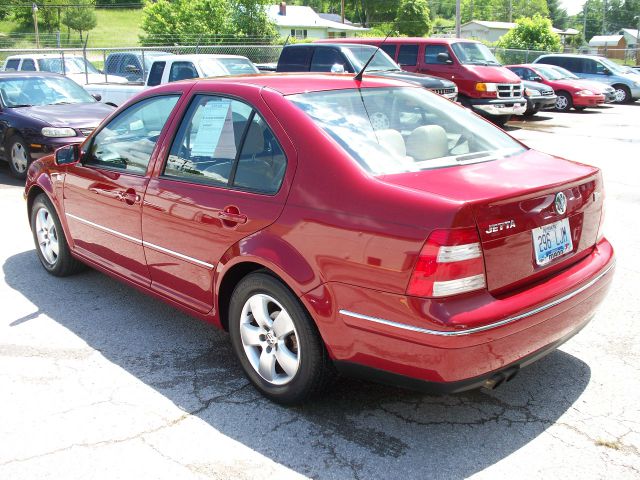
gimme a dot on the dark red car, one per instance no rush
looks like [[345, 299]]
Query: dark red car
[[570, 93], [330, 224]]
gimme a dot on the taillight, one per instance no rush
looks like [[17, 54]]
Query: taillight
[[450, 263]]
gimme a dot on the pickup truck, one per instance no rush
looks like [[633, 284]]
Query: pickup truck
[[133, 65], [171, 68], [484, 85], [339, 58]]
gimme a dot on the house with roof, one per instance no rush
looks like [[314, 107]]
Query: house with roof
[[303, 22], [631, 36], [492, 31], [613, 46]]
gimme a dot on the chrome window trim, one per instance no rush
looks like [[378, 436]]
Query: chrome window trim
[[137, 241], [469, 331]]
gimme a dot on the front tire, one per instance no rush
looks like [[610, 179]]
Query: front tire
[[564, 102], [276, 341], [19, 156], [623, 94], [51, 244]]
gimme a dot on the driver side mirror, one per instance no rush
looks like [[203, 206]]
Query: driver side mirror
[[535, 78], [443, 57], [606, 71], [337, 68], [97, 96], [131, 69], [68, 154]]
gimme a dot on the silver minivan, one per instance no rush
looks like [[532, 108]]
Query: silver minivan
[[601, 69]]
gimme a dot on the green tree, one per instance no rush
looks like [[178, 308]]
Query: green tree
[[531, 34], [48, 14], [413, 18], [250, 18], [81, 16], [557, 14]]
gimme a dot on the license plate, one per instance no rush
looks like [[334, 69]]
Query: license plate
[[552, 241]]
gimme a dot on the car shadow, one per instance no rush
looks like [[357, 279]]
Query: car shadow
[[6, 179], [354, 430]]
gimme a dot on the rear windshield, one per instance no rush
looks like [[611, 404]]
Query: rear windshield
[[404, 129], [238, 66], [360, 55]]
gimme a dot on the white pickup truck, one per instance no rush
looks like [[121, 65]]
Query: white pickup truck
[[171, 68]]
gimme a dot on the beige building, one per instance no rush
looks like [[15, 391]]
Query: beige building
[[303, 22], [491, 32]]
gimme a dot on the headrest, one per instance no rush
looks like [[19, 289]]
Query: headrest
[[428, 142], [392, 140]]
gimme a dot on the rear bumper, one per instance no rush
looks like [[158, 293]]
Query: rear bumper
[[498, 108], [456, 344]]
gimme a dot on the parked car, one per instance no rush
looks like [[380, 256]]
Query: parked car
[[339, 58], [484, 85], [134, 65], [40, 112], [76, 67], [171, 68], [593, 67], [570, 93], [436, 252], [538, 96], [596, 87]]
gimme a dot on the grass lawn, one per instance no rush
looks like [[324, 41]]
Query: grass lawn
[[115, 28]]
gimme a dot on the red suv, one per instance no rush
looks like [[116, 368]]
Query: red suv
[[483, 84], [370, 227]]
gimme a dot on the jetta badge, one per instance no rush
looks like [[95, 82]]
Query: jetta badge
[[498, 227], [561, 203]]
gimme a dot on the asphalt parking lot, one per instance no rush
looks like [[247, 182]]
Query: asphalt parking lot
[[99, 381]]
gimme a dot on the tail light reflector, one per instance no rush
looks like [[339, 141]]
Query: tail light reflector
[[450, 262]]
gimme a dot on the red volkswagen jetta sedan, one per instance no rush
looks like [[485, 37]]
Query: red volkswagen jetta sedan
[[369, 227]]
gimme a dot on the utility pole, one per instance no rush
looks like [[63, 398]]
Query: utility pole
[[510, 11], [458, 32], [584, 20], [604, 17], [342, 11], [34, 8]]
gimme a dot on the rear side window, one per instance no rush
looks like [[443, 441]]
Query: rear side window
[[295, 59], [155, 75], [389, 50], [408, 55], [182, 71], [431, 53], [554, 61], [325, 58], [28, 65], [226, 143], [12, 64]]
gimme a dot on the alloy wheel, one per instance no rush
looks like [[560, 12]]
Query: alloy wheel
[[47, 236], [269, 339], [19, 157], [561, 102]]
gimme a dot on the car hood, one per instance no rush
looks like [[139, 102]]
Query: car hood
[[426, 81], [536, 85], [597, 87], [491, 74], [77, 115]]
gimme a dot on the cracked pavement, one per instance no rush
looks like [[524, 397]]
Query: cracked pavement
[[99, 381]]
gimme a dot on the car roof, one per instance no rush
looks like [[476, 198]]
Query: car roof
[[397, 40], [199, 56], [294, 83], [24, 74], [570, 55], [150, 53]]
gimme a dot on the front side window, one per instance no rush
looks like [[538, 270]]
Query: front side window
[[473, 54], [431, 53], [226, 143], [128, 140], [393, 130], [408, 55], [182, 71]]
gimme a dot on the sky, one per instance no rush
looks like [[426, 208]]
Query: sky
[[572, 6]]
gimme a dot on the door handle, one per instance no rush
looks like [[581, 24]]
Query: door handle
[[130, 197], [231, 216]]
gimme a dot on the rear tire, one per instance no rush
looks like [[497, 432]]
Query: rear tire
[[564, 102], [18, 155], [51, 244], [276, 341]]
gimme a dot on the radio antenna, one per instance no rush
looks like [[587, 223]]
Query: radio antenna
[[358, 76]]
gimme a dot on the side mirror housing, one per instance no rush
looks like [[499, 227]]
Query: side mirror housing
[[68, 154], [131, 69], [337, 68], [443, 57], [97, 96], [535, 78]]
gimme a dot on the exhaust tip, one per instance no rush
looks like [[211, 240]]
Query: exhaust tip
[[499, 378]]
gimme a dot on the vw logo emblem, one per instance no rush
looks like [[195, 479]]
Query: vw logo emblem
[[561, 203]]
